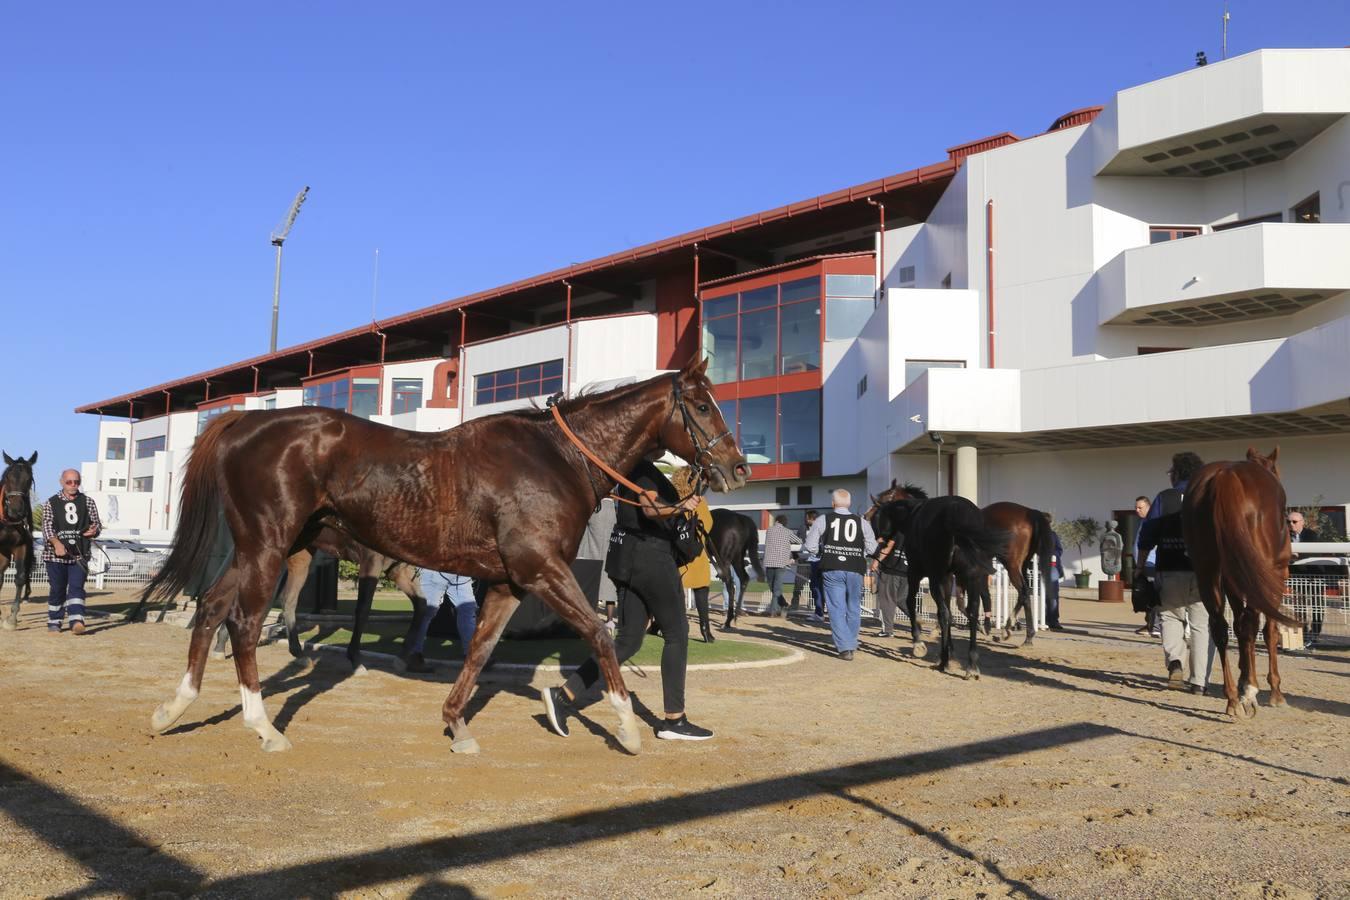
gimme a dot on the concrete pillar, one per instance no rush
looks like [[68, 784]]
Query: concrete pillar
[[967, 473]]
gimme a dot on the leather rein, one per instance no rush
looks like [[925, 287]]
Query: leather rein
[[702, 450]]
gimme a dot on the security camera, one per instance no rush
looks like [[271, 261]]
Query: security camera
[[935, 437], [916, 419]]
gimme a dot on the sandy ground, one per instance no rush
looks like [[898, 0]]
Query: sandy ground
[[1066, 771]]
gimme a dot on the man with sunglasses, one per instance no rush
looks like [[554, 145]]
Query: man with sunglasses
[[69, 520], [1301, 535]]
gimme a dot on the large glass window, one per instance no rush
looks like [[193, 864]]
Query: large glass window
[[800, 337], [365, 397], [331, 394], [759, 343], [778, 428], [799, 427], [149, 447], [759, 429], [519, 383], [719, 344], [407, 395], [850, 300], [143, 485], [117, 449], [916, 367], [772, 330]]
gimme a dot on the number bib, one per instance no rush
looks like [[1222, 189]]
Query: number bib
[[70, 520], [841, 544]]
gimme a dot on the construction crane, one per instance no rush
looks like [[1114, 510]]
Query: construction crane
[[278, 238]]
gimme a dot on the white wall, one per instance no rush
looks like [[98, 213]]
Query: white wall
[[523, 349], [613, 347]]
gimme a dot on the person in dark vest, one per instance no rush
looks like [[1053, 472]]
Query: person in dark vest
[[1298, 534], [1179, 594], [641, 562], [842, 541], [69, 520], [892, 574]]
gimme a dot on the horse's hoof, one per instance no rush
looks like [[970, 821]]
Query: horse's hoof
[[1278, 700], [467, 745], [630, 739], [8, 624], [162, 719], [998, 638], [359, 669], [920, 649], [276, 744]]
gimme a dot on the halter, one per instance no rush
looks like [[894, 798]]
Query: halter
[[21, 519], [702, 451]]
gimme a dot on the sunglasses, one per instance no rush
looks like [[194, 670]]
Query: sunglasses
[[76, 481]]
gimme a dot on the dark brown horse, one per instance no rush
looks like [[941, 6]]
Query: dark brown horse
[[503, 498], [16, 530], [1029, 537], [1233, 519], [733, 537]]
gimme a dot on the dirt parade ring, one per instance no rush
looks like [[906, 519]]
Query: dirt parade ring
[[1066, 771]]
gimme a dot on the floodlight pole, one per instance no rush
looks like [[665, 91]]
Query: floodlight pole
[[279, 238]]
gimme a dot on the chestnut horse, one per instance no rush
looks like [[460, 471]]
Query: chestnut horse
[[1030, 536], [1233, 519], [503, 498], [16, 530]]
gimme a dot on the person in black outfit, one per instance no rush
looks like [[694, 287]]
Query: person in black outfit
[[892, 573], [641, 562], [1299, 534]]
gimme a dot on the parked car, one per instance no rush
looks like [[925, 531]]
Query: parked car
[[115, 557]]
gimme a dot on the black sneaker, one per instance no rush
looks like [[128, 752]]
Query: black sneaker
[[846, 655], [1175, 679], [417, 664], [556, 708], [682, 729]]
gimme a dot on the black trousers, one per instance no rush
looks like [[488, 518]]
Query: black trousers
[[654, 591]]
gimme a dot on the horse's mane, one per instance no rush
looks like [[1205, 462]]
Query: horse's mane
[[913, 490]]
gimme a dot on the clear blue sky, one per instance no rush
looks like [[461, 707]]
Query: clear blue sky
[[149, 149]]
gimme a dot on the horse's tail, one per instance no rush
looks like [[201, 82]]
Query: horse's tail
[[199, 514], [1246, 567], [1042, 543], [981, 543]]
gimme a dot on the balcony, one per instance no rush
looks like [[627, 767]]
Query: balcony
[[1225, 117], [1273, 269]]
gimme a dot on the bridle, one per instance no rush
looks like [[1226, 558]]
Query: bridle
[[698, 438], [22, 518]]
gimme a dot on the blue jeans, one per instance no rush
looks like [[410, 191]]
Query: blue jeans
[[1052, 601], [843, 597], [776, 602], [438, 587], [67, 593]]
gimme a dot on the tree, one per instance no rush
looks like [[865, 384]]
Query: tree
[[1079, 532], [1317, 520], [37, 519]]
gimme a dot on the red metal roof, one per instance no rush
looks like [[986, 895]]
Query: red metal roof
[[150, 397]]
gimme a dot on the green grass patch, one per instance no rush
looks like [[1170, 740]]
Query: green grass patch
[[383, 638]]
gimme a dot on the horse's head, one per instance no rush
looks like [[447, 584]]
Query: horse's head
[[16, 484], [890, 518], [696, 431], [1270, 463]]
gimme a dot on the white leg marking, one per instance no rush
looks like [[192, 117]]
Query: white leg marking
[[462, 741], [169, 712], [1249, 693], [629, 734], [255, 717]]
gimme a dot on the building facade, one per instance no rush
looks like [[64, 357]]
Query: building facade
[[1042, 319]]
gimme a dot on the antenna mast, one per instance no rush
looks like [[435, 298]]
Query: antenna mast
[[278, 238], [1226, 17]]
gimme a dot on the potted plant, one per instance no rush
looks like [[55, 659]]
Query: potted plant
[[1080, 532]]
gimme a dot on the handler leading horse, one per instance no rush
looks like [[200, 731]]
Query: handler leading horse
[[503, 498]]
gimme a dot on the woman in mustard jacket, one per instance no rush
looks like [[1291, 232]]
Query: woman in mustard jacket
[[698, 574]]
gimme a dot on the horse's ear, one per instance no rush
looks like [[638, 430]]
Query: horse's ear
[[697, 365], [1275, 454], [1253, 455], [32, 460], [8, 461], [894, 483]]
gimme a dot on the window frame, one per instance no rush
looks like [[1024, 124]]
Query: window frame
[[108, 449], [147, 452], [509, 384]]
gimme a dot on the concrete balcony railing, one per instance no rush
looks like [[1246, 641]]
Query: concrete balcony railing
[[1230, 276], [1242, 112]]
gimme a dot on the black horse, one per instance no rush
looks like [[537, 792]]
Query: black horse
[[16, 530], [944, 537], [734, 537]]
